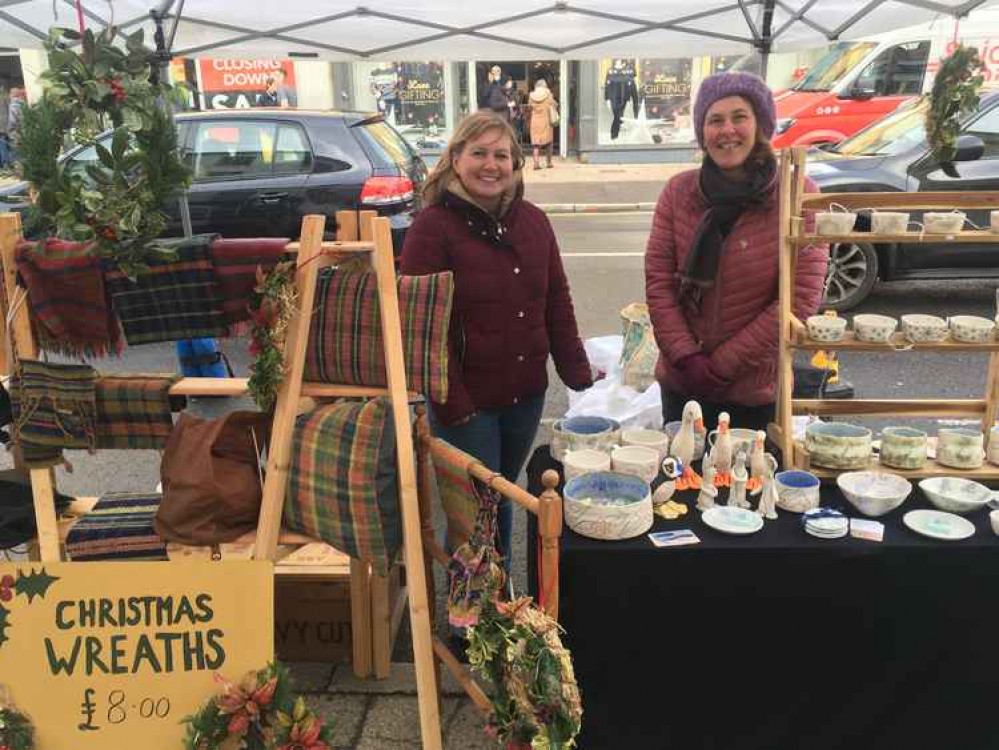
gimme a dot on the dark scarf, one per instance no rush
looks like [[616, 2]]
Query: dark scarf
[[727, 199]]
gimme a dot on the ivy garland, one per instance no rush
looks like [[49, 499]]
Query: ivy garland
[[16, 730], [92, 85], [272, 305], [955, 93]]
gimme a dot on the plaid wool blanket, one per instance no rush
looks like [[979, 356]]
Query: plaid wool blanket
[[120, 527], [174, 301], [457, 496], [235, 262], [343, 484], [134, 411], [54, 408], [69, 301], [345, 338]]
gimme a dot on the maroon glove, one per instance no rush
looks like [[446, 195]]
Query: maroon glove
[[698, 378]]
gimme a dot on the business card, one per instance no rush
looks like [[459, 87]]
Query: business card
[[864, 528], [676, 538]]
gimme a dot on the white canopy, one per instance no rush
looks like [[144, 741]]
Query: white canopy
[[473, 29]]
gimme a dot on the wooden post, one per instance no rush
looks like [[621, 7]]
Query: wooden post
[[549, 530], [360, 617], [381, 623], [991, 395], [785, 296], [346, 226]]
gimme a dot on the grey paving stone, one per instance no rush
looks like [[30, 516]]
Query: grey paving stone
[[401, 680], [466, 731], [348, 713], [311, 676], [393, 721]]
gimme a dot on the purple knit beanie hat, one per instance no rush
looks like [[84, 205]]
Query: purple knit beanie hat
[[749, 87]]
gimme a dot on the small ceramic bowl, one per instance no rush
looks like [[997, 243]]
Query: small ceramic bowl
[[889, 222], [834, 222], [742, 439], [955, 495], [960, 448], [994, 520], [924, 328], [876, 328], [824, 328], [838, 445], [943, 223], [576, 433], [655, 439], [797, 491], [992, 447], [874, 493], [575, 463], [903, 448], [994, 221], [637, 460], [673, 428], [971, 328]]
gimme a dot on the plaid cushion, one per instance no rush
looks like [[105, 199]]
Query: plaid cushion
[[343, 484], [174, 301], [236, 262], [54, 408], [120, 527], [133, 411], [69, 304], [458, 499], [345, 338]]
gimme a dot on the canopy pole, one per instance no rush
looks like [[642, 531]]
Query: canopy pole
[[765, 44]]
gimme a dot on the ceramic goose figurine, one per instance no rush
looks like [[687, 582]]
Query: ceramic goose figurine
[[683, 445], [768, 500], [737, 495], [722, 452], [757, 462]]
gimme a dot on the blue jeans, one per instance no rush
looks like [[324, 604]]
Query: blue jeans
[[199, 358], [501, 439]]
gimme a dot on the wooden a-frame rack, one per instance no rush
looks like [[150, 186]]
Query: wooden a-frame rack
[[312, 255]]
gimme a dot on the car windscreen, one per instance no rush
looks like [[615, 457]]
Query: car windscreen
[[902, 130], [385, 142], [833, 65]]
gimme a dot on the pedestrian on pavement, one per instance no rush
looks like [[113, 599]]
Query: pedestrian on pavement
[[286, 95], [269, 96], [493, 96], [711, 264], [512, 306], [544, 115]]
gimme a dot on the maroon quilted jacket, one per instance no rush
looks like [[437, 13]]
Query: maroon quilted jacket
[[737, 321], [511, 308]]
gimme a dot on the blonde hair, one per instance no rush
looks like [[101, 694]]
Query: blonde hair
[[472, 127]]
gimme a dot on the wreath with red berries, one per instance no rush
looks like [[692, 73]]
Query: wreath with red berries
[[272, 305], [93, 84], [16, 730]]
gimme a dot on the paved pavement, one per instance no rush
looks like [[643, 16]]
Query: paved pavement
[[571, 187]]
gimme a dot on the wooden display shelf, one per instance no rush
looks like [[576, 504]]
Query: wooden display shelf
[[834, 407], [969, 235], [898, 343], [987, 472], [938, 200]]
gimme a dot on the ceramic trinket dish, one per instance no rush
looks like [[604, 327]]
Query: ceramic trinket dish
[[655, 439], [960, 448], [955, 495], [838, 445], [874, 328], [971, 329], [834, 222], [637, 460], [575, 463], [797, 491], [576, 433], [874, 493], [826, 328], [889, 222], [949, 222], [608, 505], [903, 448], [922, 328]]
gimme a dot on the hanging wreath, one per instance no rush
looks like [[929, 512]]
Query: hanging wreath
[[272, 306], [16, 730], [955, 93], [536, 702], [116, 200], [260, 713]]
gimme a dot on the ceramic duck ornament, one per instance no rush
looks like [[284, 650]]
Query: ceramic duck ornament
[[737, 494], [768, 499], [706, 497], [683, 445], [757, 462], [722, 452]]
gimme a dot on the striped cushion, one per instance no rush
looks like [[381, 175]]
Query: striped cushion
[[133, 411], [345, 338], [120, 527]]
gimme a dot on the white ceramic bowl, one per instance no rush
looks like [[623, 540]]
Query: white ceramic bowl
[[924, 328], [575, 463], [824, 328], [971, 328], [943, 223], [797, 491], [874, 493], [834, 222], [955, 495], [742, 440], [608, 505], [637, 460], [876, 328], [994, 520], [889, 222], [838, 445], [577, 433], [655, 439]]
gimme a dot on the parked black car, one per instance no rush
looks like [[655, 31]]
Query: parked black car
[[892, 155], [257, 172]]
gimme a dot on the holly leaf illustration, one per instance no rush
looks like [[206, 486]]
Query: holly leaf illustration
[[4, 624], [34, 584]]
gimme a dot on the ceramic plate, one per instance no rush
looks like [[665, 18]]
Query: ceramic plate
[[732, 520], [939, 525]]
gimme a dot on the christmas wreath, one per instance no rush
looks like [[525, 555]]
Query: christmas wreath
[[16, 730], [955, 93], [115, 200], [259, 713], [272, 305]]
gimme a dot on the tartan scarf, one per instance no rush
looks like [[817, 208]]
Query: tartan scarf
[[68, 299], [174, 301], [343, 483], [474, 571], [235, 262], [120, 527], [345, 339], [54, 408], [454, 486], [134, 411]]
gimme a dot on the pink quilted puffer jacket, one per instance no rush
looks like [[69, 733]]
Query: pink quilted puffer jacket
[[737, 321]]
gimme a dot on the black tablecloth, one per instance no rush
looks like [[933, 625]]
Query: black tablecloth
[[781, 641]]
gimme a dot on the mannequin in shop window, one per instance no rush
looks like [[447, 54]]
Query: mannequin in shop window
[[385, 87], [619, 89]]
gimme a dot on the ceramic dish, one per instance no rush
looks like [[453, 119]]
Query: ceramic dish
[[655, 439], [971, 328], [608, 505], [824, 328], [889, 222], [576, 433], [875, 328], [672, 428], [797, 491], [955, 495], [937, 524], [576, 463], [924, 328], [960, 448], [838, 445], [834, 222], [732, 520], [874, 493], [903, 448], [943, 223], [994, 221], [994, 520], [637, 460]]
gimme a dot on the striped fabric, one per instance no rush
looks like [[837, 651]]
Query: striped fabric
[[120, 527], [133, 411], [345, 339], [54, 408], [343, 484], [174, 300], [236, 262], [457, 496], [69, 303], [475, 569]]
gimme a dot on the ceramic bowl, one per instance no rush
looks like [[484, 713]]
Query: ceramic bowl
[[992, 447], [876, 328], [903, 448], [943, 223], [834, 222], [638, 460], [955, 495], [797, 491], [824, 328], [889, 222], [742, 439], [960, 448], [924, 328], [655, 439], [874, 493], [583, 461], [994, 221], [576, 433], [838, 445], [673, 428], [971, 328], [994, 520], [608, 505]]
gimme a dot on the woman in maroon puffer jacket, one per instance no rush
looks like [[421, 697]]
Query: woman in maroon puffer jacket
[[512, 306], [712, 259]]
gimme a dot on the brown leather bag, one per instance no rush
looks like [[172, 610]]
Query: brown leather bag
[[211, 484]]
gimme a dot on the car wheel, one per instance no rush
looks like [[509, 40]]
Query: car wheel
[[852, 273]]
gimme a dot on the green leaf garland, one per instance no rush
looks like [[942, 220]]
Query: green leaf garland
[[955, 94]]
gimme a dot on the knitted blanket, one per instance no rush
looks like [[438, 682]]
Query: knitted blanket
[[343, 484], [345, 338], [174, 301], [134, 411], [120, 527], [68, 298], [236, 262], [458, 499]]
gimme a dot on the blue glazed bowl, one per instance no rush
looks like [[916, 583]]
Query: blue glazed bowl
[[608, 505], [797, 491]]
